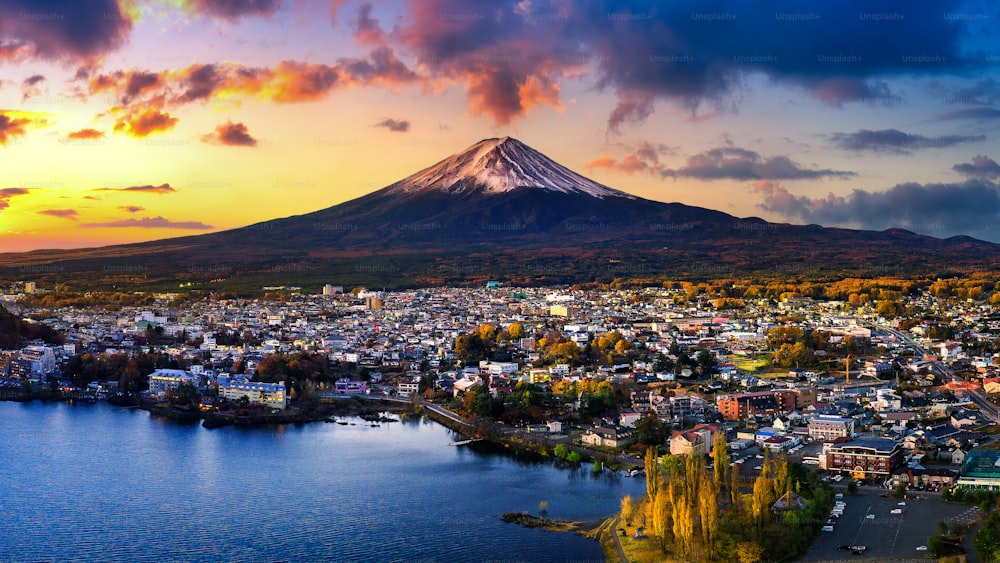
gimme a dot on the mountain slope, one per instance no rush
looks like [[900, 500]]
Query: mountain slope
[[500, 209]]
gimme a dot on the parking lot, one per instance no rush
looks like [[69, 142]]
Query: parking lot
[[867, 521]]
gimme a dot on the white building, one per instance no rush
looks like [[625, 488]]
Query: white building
[[270, 394], [42, 359], [163, 380]]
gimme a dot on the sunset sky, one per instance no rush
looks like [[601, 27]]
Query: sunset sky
[[124, 121]]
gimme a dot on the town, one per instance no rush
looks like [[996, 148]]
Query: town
[[875, 387]]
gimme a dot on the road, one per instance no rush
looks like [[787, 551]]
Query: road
[[975, 395], [613, 530]]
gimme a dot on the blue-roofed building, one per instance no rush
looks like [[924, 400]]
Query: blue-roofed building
[[981, 469]]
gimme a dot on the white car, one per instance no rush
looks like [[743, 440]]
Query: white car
[[921, 548], [870, 517], [900, 503], [830, 529], [896, 511]]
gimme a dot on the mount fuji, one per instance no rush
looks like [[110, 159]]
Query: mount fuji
[[502, 210]]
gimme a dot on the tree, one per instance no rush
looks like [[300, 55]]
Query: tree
[[708, 510], [660, 510], [515, 331], [706, 362], [683, 524], [720, 459], [184, 395], [852, 487], [749, 552], [627, 509], [935, 544], [900, 491], [650, 430], [734, 489], [762, 499], [652, 474]]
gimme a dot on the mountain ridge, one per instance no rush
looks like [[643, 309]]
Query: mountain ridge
[[501, 209]]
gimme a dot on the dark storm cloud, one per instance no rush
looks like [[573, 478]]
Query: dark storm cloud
[[734, 163], [691, 53], [895, 141], [62, 29], [938, 209], [982, 167]]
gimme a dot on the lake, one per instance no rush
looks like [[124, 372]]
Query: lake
[[97, 482]]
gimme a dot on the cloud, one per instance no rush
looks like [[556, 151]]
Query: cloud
[[894, 141], [983, 93], [142, 122], [632, 108], [231, 134], [150, 223], [687, 53], [365, 28], [975, 114], [6, 194], [30, 88], [131, 208], [742, 164], [71, 214], [937, 209], [11, 126], [147, 189], [395, 125], [234, 9], [85, 135], [62, 30], [285, 82], [644, 158], [982, 167]]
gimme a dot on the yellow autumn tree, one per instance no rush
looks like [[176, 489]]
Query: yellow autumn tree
[[627, 509]]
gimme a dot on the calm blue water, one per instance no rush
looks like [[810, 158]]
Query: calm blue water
[[99, 483]]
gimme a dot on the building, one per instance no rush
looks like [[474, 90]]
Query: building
[[873, 459], [163, 380], [628, 418], [696, 441], [935, 478], [561, 311], [688, 442], [41, 359], [805, 397], [349, 387], [330, 289], [763, 403], [608, 437], [981, 469], [826, 427], [270, 394], [408, 387]]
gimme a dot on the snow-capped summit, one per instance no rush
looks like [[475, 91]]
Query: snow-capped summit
[[501, 165]]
